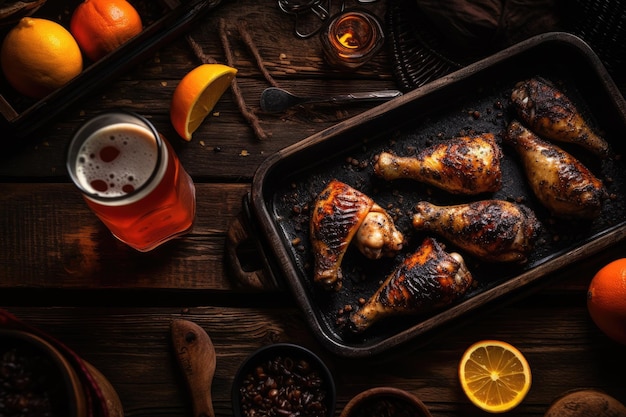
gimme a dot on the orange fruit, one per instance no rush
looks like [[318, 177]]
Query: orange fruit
[[494, 375], [38, 56], [606, 300], [100, 26], [196, 95]]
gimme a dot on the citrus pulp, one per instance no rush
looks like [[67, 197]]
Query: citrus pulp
[[494, 375], [196, 95]]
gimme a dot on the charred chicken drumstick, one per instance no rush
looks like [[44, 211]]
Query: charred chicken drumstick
[[552, 115], [491, 230], [426, 280], [463, 165], [341, 214], [561, 182]]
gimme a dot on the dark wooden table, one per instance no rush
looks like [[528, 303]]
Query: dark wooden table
[[61, 270]]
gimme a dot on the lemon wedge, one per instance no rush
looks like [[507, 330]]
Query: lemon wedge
[[196, 94]]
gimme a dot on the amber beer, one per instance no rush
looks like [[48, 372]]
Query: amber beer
[[351, 38], [132, 179]]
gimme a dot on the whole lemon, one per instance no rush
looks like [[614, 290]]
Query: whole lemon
[[38, 56]]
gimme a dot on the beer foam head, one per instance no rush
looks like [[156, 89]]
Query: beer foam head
[[116, 160]]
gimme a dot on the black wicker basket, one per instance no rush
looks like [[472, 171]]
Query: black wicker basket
[[422, 54]]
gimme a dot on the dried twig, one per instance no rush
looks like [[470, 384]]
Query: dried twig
[[249, 42], [249, 115], [197, 50], [243, 108]]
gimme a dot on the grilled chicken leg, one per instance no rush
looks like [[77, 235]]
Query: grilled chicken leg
[[341, 214], [491, 230], [463, 165], [428, 279], [551, 115], [561, 182]]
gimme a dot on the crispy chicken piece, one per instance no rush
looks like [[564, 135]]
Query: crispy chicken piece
[[426, 280], [463, 165], [491, 230], [377, 236], [340, 214], [561, 182], [552, 116]]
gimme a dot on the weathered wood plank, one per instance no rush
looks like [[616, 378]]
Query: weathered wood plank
[[148, 380], [52, 245]]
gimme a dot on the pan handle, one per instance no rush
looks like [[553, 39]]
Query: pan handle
[[246, 256]]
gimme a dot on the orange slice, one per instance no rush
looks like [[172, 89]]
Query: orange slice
[[494, 375], [196, 95]]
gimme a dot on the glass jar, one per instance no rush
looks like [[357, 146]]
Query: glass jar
[[351, 38]]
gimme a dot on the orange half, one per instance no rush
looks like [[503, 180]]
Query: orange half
[[494, 375]]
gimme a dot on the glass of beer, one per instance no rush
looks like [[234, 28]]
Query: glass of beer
[[132, 180]]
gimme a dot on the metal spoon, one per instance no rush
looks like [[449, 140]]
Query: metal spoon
[[276, 100]]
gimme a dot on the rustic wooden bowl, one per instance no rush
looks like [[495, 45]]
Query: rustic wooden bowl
[[295, 354], [395, 401], [66, 391]]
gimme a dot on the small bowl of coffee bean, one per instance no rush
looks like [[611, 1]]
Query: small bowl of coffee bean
[[283, 380], [385, 402]]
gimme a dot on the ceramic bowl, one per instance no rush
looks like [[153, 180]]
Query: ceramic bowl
[[385, 401], [284, 376], [52, 375]]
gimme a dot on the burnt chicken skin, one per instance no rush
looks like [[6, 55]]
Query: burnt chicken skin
[[463, 165], [550, 114], [340, 215], [426, 280], [490, 230], [565, 186]]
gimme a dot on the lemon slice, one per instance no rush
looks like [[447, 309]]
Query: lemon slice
[[494, 375], [196, 95]]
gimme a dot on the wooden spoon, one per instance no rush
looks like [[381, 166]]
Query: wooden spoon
[[196, 356]]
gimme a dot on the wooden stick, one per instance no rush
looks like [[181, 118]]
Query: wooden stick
[[243, 108], [249, 42], [198, 52]]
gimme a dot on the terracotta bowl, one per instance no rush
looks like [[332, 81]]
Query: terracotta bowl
[[51, 372], [275, 361], [385, 401]]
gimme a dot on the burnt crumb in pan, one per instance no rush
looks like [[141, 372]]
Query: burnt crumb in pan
[[488, 108]]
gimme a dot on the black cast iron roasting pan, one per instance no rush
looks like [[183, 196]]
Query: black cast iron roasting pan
[[473, 99]]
